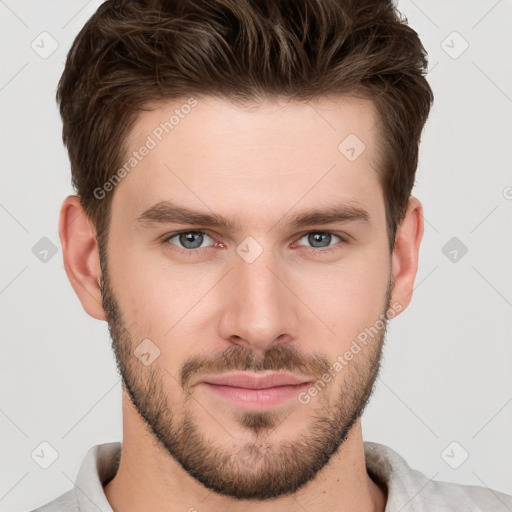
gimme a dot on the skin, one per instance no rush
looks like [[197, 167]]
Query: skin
[[292, 308]]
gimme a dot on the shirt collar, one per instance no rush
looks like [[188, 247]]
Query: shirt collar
[[97, 469], [101, 463]]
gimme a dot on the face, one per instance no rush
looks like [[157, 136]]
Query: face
[[272, 283]]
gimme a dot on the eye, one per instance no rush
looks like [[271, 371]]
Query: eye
[[191, 241], [188, 240], [321, 240]]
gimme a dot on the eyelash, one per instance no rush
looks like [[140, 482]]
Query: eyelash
[[194, 252]]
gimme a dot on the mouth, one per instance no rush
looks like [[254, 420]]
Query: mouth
[[255, 391]]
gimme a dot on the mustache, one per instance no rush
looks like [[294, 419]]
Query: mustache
[[279, 357]]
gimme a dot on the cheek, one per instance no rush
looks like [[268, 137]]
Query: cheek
[[348, 297], [162, 302], [150, 286]]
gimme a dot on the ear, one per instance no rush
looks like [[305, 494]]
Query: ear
[[405, 256], [81, 255]]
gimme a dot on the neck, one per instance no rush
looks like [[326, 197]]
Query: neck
[[149, 479]]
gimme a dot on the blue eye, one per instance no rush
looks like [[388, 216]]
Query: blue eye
[[321, 237], [191, 241]]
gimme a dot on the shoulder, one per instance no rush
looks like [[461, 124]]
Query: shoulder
[[65, 502], [98, 467], [473, 498], [409, 490]]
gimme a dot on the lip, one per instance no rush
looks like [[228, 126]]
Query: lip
[[255, 381], [256, 392]]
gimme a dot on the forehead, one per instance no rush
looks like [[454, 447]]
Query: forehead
[[260, 158], [327, 118]]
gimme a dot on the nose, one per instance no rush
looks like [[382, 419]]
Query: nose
[[260, 310]]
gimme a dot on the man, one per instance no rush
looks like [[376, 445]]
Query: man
[[245, 225]]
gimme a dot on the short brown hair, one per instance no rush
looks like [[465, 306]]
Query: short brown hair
[[132, 53]]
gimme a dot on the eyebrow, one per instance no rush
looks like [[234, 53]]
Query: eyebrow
[[167, 212]]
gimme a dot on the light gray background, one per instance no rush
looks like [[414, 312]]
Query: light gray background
[[446, 373]]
